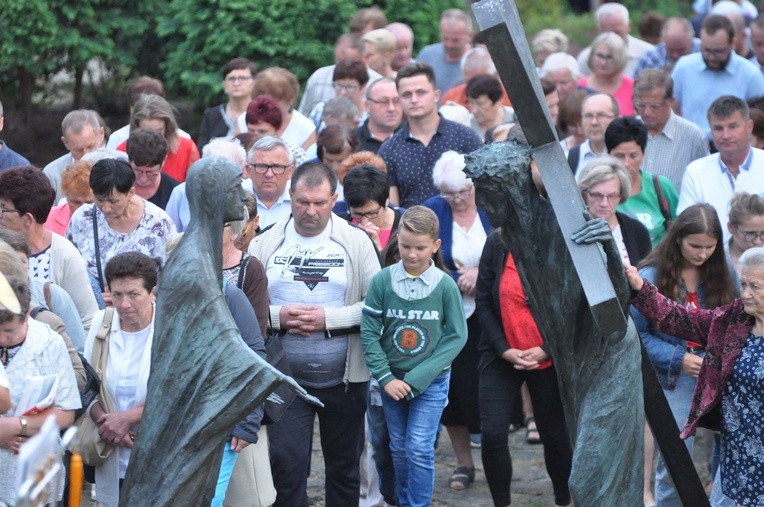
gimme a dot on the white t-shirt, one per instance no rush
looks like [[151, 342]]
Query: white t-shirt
[[618, 237], [311, 271]]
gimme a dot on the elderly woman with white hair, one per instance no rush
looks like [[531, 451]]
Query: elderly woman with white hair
[[607, 61], [562, 70], [729, 394], [604, 184], [177, 205], [463, 231]]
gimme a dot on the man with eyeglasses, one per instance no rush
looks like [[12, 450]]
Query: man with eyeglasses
[[672, 141], [411, 153], [319, 268], [270, 165], [737, 167], [700, 78], [384, 115], [597, 111], [146, 152]]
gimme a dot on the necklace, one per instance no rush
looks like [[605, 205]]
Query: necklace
[[8, 353]]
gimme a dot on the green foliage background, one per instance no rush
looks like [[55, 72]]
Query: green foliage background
[[186, 42]]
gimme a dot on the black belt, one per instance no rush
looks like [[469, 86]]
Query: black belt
[[695, 350]]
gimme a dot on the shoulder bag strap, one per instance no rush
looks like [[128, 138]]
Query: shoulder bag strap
[[242, 271], [97, 250], [100, 355], [662, 202]]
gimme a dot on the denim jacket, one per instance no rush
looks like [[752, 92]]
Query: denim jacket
[[665, 351]]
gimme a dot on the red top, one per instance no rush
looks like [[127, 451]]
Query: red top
[[58, 219], [692, 303], [177, 162], [519, 326]]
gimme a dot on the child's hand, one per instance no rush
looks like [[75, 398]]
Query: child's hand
[[397, 389]]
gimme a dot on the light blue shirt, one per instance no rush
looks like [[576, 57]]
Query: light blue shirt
[[696, 86]]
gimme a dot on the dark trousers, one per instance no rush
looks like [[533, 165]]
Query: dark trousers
[[499, 392], [341, 423]]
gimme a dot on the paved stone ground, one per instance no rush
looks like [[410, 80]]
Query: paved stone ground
[[531, 486]]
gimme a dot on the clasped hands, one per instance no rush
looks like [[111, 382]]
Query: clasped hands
[[302, 319]]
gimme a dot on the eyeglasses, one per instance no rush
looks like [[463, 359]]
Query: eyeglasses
[[369, 214], [641, 106], [452, 196], [345, 87], [751, 236], [8, 210], [603, 57], [147, 174], [395, 102], [597, 116], [238, 79], [597, 197], [263, 168]]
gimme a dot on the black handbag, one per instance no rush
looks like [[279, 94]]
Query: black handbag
[[280, 399], [91, 389]]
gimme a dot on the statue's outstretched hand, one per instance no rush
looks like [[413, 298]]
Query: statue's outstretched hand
[[298, 390], [595, 230]]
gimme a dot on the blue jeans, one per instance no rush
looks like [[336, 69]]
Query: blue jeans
[[413, 426], [679, 400], [224, 477]]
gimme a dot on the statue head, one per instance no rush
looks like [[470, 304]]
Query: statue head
[[213, 187], [501, 173]]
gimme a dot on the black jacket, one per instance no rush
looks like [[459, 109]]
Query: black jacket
[[635, 237]]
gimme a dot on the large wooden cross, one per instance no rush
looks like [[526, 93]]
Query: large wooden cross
[[505, 39]]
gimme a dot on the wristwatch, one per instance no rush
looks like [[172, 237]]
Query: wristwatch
[[23, 421]]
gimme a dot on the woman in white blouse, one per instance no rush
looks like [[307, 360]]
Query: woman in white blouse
[[463, 231], [131, 278], [29, 348]]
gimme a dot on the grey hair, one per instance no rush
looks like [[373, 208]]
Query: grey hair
[[601, 170], [227, 148], [374, 83], [75, 120], [558, 61], [270, 143], [450, 16], [340, 107], [609, 9], [752, 258], [477, 57], [614, 43], [103, 154], [449, 171], [382, 38], [237, 227]]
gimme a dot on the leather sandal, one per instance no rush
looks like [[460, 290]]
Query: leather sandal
[[462, 478]]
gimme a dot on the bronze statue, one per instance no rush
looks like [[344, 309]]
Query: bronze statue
[[204, 378], [599, 374]]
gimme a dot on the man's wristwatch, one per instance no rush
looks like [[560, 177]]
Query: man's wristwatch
[[23, 421]]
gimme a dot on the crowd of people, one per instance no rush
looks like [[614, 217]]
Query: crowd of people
[[364, 249]]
